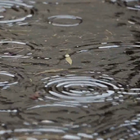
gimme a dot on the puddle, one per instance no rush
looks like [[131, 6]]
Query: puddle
[[69, 69]]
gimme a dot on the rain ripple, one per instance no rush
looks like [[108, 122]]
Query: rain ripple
[[81, 89], [130, 4], [33, 133], [13, 49], [15, 6], [54, 20], [9, 79]]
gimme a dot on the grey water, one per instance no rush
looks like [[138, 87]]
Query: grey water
[[69, 70]]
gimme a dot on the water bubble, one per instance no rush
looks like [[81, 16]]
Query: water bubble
[[131, 126]]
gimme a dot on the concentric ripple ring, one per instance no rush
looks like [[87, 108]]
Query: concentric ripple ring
[[12, 51], [6, 84], [8, 5], [81, 89], [71, 17]]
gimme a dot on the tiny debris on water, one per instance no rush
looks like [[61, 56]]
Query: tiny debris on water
[[68, 59]]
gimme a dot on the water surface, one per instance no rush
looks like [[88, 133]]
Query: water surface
[[69, 70]]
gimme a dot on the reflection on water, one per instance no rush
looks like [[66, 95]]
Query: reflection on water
[[130, 4], [82, 89], [56, 125], [13, 49], [42, 96], [15, 6], [7, 82]]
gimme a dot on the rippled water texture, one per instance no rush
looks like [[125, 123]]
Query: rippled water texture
[[79, 88], [12, 7], [69, 70], [5, 84]]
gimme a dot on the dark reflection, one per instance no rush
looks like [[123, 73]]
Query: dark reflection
[[136, 36]]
